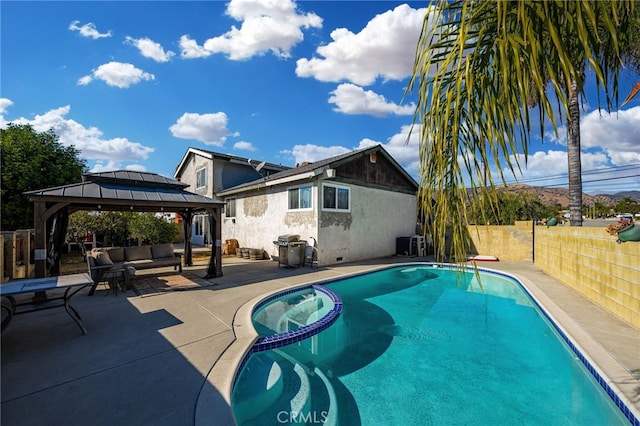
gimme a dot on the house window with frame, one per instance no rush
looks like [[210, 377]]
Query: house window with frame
[[336, 198], [230, 208], [201, 178], [300, 198]]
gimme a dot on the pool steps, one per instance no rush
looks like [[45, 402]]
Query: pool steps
[[283, 400]]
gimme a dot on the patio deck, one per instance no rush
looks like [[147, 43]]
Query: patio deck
[[146, 359]]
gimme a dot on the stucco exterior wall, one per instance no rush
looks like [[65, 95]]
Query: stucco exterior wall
[[262, 216], [370, 230], [376, 218], [194, 163]]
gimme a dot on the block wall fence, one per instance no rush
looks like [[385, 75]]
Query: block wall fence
[[587, 259]]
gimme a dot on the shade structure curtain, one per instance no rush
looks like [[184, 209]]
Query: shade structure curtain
[[187, 217], [57, 238], [211, 269]]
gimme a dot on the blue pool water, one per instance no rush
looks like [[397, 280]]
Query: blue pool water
[[418, 345]]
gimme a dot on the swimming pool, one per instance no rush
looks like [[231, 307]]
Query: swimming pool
[[417, 345]]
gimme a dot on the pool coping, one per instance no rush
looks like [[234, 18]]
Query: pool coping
[[222, 375]]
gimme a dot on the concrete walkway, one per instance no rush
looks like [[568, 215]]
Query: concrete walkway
[[148, 360]]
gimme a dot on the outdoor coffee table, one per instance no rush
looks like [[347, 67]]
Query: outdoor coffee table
[[72, 284]]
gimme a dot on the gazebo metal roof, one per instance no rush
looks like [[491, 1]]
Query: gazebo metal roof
[[126, 190]]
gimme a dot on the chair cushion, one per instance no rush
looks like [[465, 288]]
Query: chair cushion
[[102, 258], [137, 253], [115, 253], [162, 250]]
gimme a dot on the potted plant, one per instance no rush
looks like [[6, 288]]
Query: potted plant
[[624, 230]]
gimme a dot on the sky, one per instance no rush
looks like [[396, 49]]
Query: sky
[[133, 85]]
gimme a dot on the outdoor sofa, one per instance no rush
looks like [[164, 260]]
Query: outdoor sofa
[[114, 261]]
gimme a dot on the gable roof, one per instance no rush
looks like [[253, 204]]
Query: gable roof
[[309, 170], [125, 190], [211, 155]]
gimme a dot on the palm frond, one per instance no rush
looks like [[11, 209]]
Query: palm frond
[[478, 64]]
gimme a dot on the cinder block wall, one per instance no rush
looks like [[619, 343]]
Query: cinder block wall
[[590, 261], [507, 243]]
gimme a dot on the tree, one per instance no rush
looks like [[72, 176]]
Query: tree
[[510, 207], [119, 228], [153, 229], [600, 209], [627, 205], [113, 227], [81, 223], [30, 161], [478, 64]]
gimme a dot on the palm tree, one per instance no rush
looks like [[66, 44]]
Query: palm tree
[[478, 63]]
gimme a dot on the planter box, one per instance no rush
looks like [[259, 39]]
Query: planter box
[[631, 233]]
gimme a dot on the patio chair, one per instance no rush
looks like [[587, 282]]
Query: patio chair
[[310, 256]]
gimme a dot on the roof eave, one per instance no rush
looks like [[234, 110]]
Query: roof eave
[[190, 151], [264, 183]]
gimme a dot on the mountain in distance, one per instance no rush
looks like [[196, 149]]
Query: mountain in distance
[[561, 195], [619, 196]]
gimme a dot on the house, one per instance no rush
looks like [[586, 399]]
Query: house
[[208, 173], [354, 205]]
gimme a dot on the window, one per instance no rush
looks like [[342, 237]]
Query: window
[[300, 198], [201, 178], [230, 208], [336, 198]]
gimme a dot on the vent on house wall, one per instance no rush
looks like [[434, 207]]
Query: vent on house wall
[[373, 157]]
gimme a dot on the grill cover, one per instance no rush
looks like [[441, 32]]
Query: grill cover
[[284, 240]]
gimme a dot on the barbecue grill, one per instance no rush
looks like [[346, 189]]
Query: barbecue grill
[[290, 250]]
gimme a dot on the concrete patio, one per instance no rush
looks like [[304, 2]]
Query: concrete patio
[[147, 360]]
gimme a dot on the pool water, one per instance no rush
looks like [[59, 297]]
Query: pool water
[[425, 346]]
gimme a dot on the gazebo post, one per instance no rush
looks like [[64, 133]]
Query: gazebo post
[[40, 241], [187, 217], [218, 241], [215, 260]]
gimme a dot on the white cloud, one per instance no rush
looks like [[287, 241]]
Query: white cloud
[[311, 153], [267, 25], [150, 49], [88, 140], [4, 104], [539, 164], [402, 146], [615, 134], [117, 74], [83, 81], [208, 128], [101, 166], [88, 30], [191, 50], [550, 168], [384, 48], [406, 154], [352, 99], [558, 139], [244, 146]]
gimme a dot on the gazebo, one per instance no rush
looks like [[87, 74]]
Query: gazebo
[[120, 190]]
